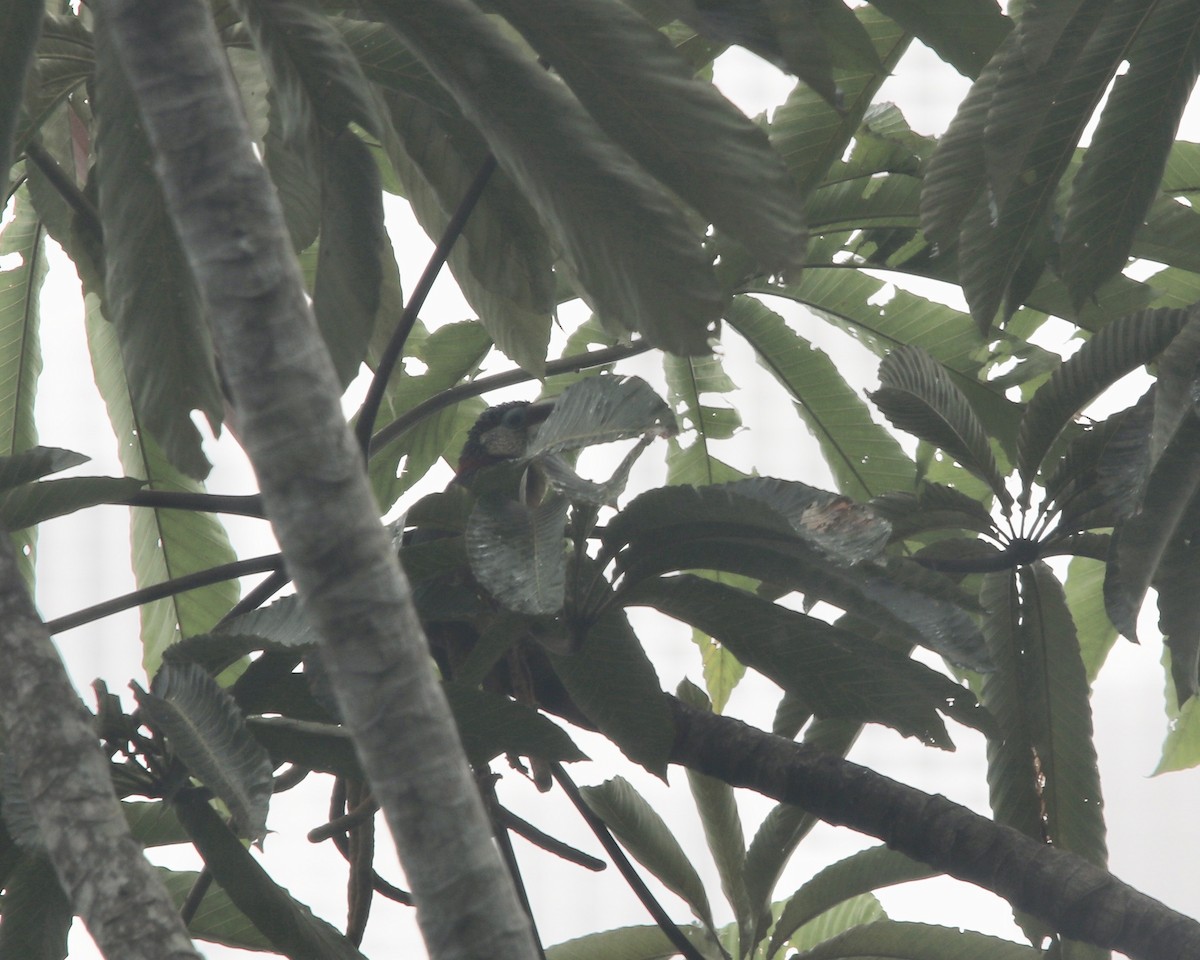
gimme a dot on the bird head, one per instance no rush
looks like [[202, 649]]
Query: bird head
[[500, 434]]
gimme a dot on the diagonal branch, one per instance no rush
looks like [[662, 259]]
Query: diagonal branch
[[1077, 898]]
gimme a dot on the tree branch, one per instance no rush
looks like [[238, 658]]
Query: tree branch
[[65, 779], [1077, 898], [310, 471]]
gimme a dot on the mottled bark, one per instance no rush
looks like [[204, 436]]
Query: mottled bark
[[314, 487], [65, 779], [1075, 897]]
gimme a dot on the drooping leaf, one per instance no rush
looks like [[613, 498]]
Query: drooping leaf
[[287, 924], [1042, 768], [835, 673], [933, 507], [1117, 349], [37, 914], [354, 251], [502, 259], [207, 731], [1177, 580], [722, 827], [809, 131], [644, 95], [150, 296], [1124, 163], [859, 873], [491, 725], [613, 682], [864, 457], [1174, 389], [17, 48], [165, 543], [1085, 599], [20, 355], [216, 919], [635, 256], [1143, 539], [695, 390], [964, 34], [518, 552], [918, 397], [27, 466], [313, 72], [684, 528], [295, 170], [649, 840], [34, 502]]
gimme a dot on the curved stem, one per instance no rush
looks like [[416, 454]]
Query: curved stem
[[168, 588], [245, 505], [391, 354], [636, 883]]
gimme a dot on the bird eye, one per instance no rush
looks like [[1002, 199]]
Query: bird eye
[[514, 419]]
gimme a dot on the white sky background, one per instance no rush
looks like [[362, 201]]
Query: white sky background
[[1154, 837]]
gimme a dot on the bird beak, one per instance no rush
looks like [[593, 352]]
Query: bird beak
[[538, 411]]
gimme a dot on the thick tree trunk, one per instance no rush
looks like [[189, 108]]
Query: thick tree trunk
[[313, 484], [66, 782]]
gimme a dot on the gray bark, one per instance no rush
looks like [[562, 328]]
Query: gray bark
[[314, 487], [65, 779]]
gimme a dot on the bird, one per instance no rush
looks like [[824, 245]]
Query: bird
[[501, 435]]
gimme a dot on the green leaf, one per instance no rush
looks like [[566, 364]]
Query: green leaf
[[518, 552], [449, 354], [629, 943], [23, 23], [714, 528], [918, 396], [695, 387], [32, 503], [207, 731], [1181, 748], [613, 682], [313, 72], [20, 349], [601, 410], [649, 840], [918, 941], [1177, 580], [808, 131], [1117, 349], [295, 170], [645, 97], [354, 251], [20, 469], [502, 259], [933, 507], [964, 33], [865, 458], [1124, 163], [1042, 768], [37, 914], [216, 920], [1141, 541], [635, 255], [150, 296], [859, 873], [491, 725], [722, 825], [166, 544], [287, 924], [64, 62], [153, 823], [835, 673], [1084, 589], [315, 745]]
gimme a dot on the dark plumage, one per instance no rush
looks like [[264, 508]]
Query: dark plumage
[[501, 433]]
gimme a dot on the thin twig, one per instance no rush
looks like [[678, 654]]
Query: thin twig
[[395, 347], [245, 505], [191, 903], [326, 831], [482, 385], [64, 185], [525, 829], [168, 588], [636, 883]]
